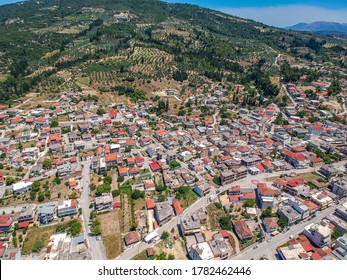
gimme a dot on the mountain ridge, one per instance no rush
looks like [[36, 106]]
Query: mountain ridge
[[320, 26]]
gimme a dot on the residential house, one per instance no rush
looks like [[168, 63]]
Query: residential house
[[46, 212], [163, 212], [67, 208], [219, 247], [5, 223], [319, 234], [291, 215], [27, 213], [131, 237], [202, 188], [113, 160], [242, 230], [270, 224], [103, 202], [300, 207], [21, 187], [339, 186], [200, 251]]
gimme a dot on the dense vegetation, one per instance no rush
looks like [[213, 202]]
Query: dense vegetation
[[39, 39]]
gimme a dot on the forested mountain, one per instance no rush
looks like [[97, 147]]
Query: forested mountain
[[50, 44]]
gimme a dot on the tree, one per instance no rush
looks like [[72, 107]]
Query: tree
[[75, 228], [57, 181], [100, 111], [120, 179], [162, 198], [95, 228], [267, 212], [181, 112], [102, 189], [279, 119], [54, 123], [47, 164], [115, 193], [336, 234], [249, 203], [160, 188], [218, 205], [334, 88], [108, 180], [38, 245], [217, 180], [36, 186], [180, 76], [136, 194], [32, 195], [73, 195], [10, 180], [164, 235], [282, 222], [41, 196], [225, 223]]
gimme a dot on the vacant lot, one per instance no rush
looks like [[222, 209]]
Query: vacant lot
[[35, 234], [110, 233], [188, 198], [139, 204], [214, 214]]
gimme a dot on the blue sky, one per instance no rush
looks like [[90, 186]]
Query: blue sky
[[279, 13], [336, 4]]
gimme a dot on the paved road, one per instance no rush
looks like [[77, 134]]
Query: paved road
[[284, 87], [96, 246], [268, 248]]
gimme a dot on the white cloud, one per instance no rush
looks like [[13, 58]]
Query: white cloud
[[283, 16]]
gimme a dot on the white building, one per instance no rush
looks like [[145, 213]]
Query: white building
[[319, 234], [283, 137], [201, 251], [185, 156], [67, 207], [104, 202], [21, 187], [292, 252]]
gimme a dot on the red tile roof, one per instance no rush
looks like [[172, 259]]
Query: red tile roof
[[177, 206], [23, 225], [150, 204], [132, 237], [242, 228], [154, 166], [5, 220], [224, 233], [112, 157]]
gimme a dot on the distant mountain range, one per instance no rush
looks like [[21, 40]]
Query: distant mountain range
[[321, 27]]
